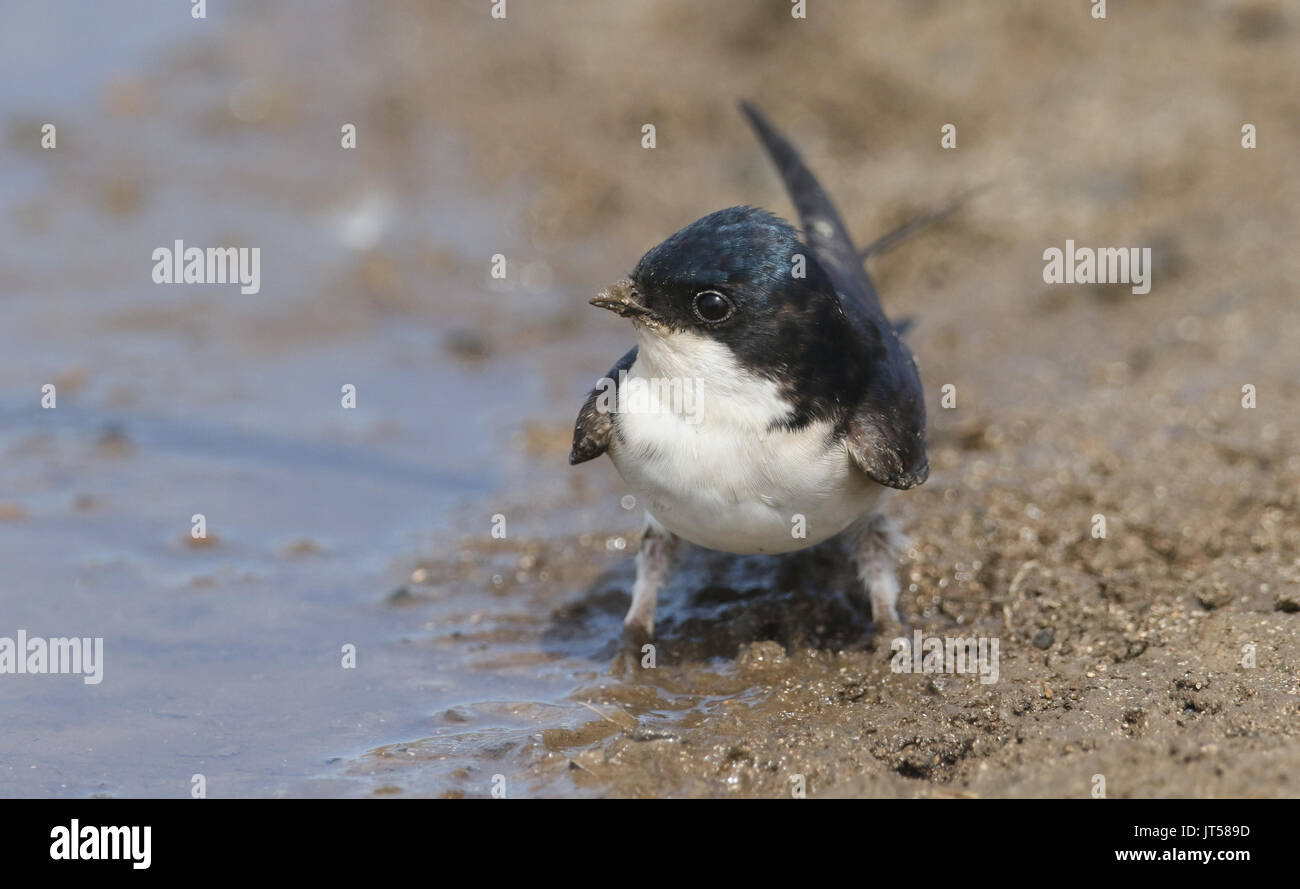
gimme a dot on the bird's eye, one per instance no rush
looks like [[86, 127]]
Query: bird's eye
[[712, 307]]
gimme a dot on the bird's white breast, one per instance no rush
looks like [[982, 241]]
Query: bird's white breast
[[712, 469]]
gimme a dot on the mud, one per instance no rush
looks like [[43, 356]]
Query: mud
[[482, 657]]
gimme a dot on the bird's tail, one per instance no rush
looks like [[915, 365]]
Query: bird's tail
[[821, 222], [905, 231]]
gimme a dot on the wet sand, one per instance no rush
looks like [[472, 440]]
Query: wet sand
[[481, 657]]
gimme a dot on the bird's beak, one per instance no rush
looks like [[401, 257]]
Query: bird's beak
[[621, 298]]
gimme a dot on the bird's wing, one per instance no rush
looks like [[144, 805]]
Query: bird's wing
[[886, 431], [888, 443], [594, 426]]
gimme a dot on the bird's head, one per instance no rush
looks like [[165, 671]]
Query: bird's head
[[740, 277]]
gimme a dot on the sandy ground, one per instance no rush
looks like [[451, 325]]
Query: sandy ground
[[1123, 657], [1120, 657]]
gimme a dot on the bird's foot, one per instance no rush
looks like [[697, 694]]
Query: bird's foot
[[877, 546]]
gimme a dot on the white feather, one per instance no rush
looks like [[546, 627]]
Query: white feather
[[720, 476]]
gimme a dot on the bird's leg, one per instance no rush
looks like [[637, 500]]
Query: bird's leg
[[654, 562], [877, 543]]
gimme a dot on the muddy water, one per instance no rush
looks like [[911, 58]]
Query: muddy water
[[222, 656], [481, 656]]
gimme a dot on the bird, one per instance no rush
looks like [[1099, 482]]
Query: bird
[[769, 404]]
